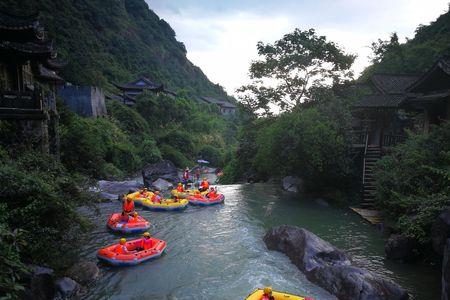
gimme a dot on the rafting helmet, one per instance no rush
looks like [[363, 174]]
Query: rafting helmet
[[123, 241], [135, 214], [267, 290], [146, 234], [179, 183], [157, 192]]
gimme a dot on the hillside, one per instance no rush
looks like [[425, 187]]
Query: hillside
[[417, 54], [115, 41]]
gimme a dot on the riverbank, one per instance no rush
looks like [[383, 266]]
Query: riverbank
[[218, 252]]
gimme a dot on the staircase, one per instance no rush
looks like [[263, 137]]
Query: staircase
[[371, 156]]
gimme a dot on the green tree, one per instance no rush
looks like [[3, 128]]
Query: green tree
[[291, 68]]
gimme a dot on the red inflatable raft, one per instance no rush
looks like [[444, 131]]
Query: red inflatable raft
[[108, 255], [115, 224], [205, 201]]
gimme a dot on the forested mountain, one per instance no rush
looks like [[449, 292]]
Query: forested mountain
[[417, 54], [115, 41]]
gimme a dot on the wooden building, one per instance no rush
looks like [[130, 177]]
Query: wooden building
[[430, 94], [134, 88], [28, 80], [225, 107]]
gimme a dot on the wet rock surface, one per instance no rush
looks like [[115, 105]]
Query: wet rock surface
[[401, 248], [164, 169], [329, 267]]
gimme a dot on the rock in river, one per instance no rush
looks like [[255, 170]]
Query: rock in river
[[400, 247], [118, 187], [162, 185], [84, 272], [440, 231], [292, 184], [329, 267], [164, 169], [66, 287]]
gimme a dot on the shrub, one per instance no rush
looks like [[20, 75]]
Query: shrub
[[149, 152], [175, 156], [211, 154], [413, 183]]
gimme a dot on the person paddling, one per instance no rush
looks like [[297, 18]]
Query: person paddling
[[156, 198], [204, 185], [128, 205], [146, 242], [121, 248], [212, 193], [134, 218], [267, 294]]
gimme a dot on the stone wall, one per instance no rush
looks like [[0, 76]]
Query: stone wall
[[86, 101]]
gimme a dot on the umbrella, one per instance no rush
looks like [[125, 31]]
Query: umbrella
[[202, 161]]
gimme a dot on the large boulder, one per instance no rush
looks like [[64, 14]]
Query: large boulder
[[41, 285], [330, 267], [292, 184], [440, 231], [162, 185], [84, 272], [446, 272], [66, 288], [164, 169], [118, 187], [400, 247]]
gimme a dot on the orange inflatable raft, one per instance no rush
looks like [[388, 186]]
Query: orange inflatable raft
[[115, 224], [108, 255], [206, 201]]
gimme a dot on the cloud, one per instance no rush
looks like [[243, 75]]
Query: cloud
[[221, 35]]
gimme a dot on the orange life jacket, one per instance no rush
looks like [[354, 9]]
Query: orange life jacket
[[198, 196], [212, 194], [180, 188], [146, 243], [121, 249], [133, 220], [205, 184], [156, 198], [128, 206]]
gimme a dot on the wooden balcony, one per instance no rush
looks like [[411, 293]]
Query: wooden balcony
[[21, 105]]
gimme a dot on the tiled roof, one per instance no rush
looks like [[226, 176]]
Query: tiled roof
[[221, 103], [393, 83], [385, 101], [47, 74], [141, 84]]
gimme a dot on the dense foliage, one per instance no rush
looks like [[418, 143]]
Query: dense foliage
[[116, 42], [413, 183], [312, 142], [417, 54], [290, 69], [37, 215]]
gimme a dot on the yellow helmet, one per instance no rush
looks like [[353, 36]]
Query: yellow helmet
[[129, 198], [267, 290], [179, 183], [135, 214], [146, 234], [123, 241]]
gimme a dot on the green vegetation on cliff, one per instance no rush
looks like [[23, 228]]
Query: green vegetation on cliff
[[116, 41]]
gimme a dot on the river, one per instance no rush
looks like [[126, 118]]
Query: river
[[217, 252]]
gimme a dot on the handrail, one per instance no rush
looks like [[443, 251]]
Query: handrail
[[366, 144]]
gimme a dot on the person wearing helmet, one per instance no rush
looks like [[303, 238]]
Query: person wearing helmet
[[121, 248], [134, 218], [212, 193], [204, 185], [180, 188], [267, 294], [197, 195], [156, 198], [143, 193], [128, 205], [146, 242]]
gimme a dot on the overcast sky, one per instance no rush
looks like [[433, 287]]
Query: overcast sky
[[221, 35]]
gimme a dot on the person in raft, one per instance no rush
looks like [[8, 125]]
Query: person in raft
[[143, 193], [180, 188], [212, 193], [156, 198], [267, 294], [146, 242], [121, 248], [197, 195], [204, 185], [128, 205], [134, 218]]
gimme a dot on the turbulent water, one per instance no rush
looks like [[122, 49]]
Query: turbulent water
[[217, 252]]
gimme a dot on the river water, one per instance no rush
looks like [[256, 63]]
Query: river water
[[217, 252]]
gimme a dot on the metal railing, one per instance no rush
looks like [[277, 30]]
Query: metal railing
[[366, 144], [359, 137], [390, 140]]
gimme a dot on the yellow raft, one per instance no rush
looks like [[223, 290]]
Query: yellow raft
[[165, 205], [258, 293], [136, 197]]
